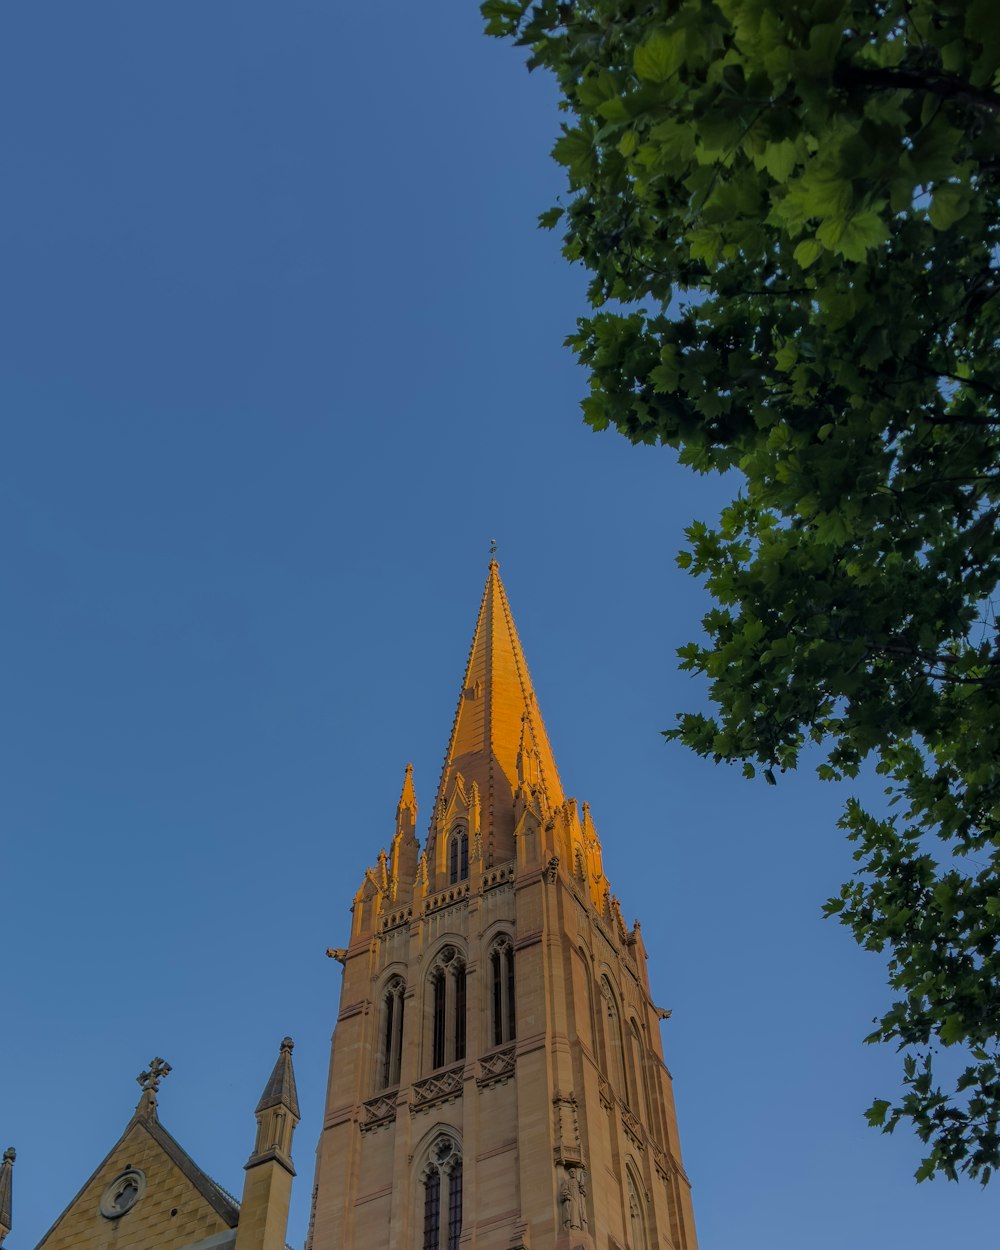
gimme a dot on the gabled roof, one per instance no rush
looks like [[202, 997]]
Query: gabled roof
[[222, 1204]]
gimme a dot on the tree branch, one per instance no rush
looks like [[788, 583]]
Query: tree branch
[[947, 86]]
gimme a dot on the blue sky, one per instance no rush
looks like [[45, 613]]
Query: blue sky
[[280, 352]]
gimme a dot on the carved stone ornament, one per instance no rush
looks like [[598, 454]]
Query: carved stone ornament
[[573, 1197], [379, 1111], [444, 1087], [496, 1069], [123, 1193]]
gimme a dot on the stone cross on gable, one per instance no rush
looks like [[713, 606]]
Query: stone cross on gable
[[149, 1081]]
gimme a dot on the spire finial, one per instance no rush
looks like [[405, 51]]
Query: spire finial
[[493, 551], [158, 1071], [280, 1088], [149, 1083]]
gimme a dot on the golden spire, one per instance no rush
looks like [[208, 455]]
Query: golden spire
[[497, 711], [406, 808]]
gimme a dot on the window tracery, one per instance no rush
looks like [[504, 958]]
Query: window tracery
[[502, 990], [636, 1214], [448, 1008], [391, 1034], [641, 1078], [458, 856], [442, 1196], [615, 1041]]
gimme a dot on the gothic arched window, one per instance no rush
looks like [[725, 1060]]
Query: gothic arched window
[[585, 1024], [616, 1045], [641, 1079], [391, 1034], [636, 1214], [442, 1196], [448, 1008], [502, 990], [458, 856]]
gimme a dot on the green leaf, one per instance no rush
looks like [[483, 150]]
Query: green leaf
[[808, 251], [949, 205], [659, 58], [664, 378], [876, 1113], [952, 1030], [853, 238], [576, 152]]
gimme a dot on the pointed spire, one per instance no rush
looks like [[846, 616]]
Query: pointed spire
[[406, 808], [267, 1186], [6, 1168], [497, 716], [280, 1089]]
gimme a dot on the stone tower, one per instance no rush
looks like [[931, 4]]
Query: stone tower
[[496, 1077]]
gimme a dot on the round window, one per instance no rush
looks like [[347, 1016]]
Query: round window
[[123, 1193]]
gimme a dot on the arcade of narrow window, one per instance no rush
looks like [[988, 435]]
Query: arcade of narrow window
[[615, 1055], [448, 1008], [442, 1179], [391, 1041], [637, 1219], [502, 990], [458, 856]]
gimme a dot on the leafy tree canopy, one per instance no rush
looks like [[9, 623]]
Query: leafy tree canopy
[[788, 209]]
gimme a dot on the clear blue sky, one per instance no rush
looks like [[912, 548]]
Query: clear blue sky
[[280, 351]]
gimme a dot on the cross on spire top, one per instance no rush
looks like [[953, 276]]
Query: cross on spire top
[[149, 1081]]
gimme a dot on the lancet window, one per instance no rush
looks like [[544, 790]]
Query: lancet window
[[442, 1196], [641, 1079], [448, 1008], [502, 990], [615, 1041], [391, 1036], [636, 1214], [458, 856]]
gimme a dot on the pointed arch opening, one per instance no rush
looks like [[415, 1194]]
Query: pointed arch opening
[[615, 1049], [641, 1078], [591, 1032], [502, 1010], [440, 1193], [636, 1211], [448, 1007], [458, 855], [390, 1052]]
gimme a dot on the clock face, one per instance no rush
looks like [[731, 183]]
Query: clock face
[[123, 1193]]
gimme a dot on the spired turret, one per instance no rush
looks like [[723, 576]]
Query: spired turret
[[497, 1075], [267, 1187]]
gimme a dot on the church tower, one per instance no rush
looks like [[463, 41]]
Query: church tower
[[497, 1077]]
